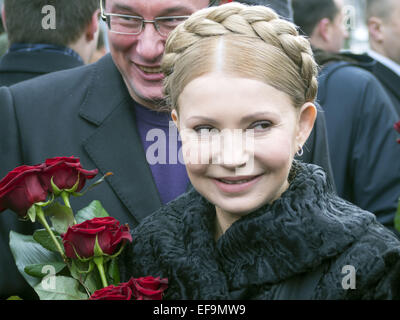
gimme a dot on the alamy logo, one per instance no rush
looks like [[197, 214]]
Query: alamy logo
[[49, 280], [349, 17], [226, 146], [49, 20], [349, 280]]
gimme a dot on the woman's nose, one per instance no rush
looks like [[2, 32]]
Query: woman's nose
[[233, 151]]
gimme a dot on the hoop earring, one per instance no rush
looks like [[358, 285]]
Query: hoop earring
[[300, 152]]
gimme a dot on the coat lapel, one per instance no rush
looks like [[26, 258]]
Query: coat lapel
[[115, 144]]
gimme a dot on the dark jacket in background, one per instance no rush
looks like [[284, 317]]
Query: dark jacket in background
[[390, 81], [294, 248], [88, 113], [362, 142], [19, 66], [16, 67]]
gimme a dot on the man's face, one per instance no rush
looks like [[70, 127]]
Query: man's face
[[138, 57], [391, 34], [338, 32]]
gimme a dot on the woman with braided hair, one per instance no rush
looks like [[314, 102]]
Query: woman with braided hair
[[257, 224]]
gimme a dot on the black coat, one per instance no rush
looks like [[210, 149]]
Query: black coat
[[19, 66], [362, 141], [298, 247], [390, 81], [87, 112]]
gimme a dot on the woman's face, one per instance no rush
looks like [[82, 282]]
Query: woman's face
[[239, 138]]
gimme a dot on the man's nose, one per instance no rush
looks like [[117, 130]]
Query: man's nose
[[150, 45]]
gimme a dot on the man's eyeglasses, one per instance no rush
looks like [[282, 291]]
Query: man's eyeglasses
[[131, 25]]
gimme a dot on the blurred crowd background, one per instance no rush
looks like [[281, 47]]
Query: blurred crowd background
[[102, 42], [354, 21]]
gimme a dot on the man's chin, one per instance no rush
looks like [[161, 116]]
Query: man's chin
[[151, 98]]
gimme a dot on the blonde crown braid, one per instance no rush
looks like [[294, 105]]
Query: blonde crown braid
[[252, 21]]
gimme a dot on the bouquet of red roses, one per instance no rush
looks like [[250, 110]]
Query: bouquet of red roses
[[75, 256]]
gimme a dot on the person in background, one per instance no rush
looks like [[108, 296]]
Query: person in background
[[108, 114], [101, 49], [359, 114], [323, 23], [283, 8], [258, 224], [383, 20], [34, 50]]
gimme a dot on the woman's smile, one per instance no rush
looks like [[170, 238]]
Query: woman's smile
[[236, 184]]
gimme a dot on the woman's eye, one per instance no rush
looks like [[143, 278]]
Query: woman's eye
[[261, 125], [204, 129]]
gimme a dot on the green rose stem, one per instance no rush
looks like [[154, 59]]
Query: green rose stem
[[43, 221], [99, 263], [99, 260], [65, 197]]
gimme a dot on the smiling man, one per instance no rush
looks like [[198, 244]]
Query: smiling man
[[106, 114], [137, 45]]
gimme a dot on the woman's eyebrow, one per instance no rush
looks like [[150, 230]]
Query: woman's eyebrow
[[244, 119], [202, 118], [256, 115]]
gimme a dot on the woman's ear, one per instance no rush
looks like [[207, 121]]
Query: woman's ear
[[175, 118], [306, 119]]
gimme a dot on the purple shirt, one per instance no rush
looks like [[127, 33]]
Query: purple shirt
[[161, 144]]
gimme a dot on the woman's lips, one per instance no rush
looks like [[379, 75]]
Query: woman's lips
[[236, 184]]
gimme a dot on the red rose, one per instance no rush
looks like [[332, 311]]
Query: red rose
[[397, 128], [121, 292], [21, 188], [148, 288], [65, 172], [82, 237]]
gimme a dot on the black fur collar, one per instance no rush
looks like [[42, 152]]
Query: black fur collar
[[307, 225]]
